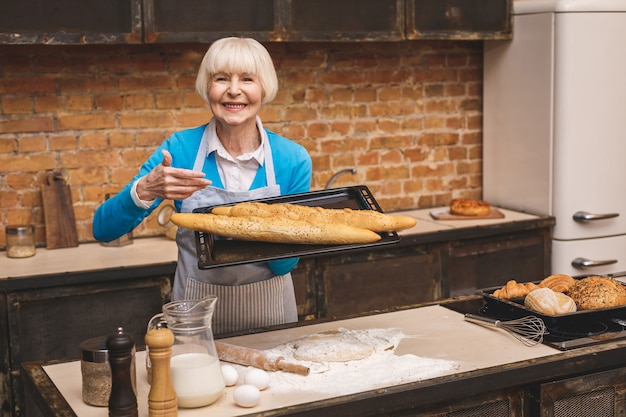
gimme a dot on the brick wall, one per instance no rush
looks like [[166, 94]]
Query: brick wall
[[406, 115]]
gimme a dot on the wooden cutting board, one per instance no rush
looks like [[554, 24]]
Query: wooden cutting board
[[443, 213], [58, 213]]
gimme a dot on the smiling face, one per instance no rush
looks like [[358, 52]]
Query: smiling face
[[235, 99]]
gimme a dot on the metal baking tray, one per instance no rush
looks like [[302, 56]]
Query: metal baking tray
[[215, 251], [515, 308]]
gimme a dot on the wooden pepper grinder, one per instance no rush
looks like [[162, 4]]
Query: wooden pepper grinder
[[122, 402], [162, 400]]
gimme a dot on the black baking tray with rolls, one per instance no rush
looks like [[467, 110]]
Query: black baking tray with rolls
[[583, 321], [216, 251]]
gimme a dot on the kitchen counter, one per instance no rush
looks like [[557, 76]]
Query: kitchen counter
[[89, 257], [484, 359], [126, 285], [160, 250], [427, 224]]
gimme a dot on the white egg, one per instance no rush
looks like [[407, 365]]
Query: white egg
[[247, 395], [230, 375], [257, 377]]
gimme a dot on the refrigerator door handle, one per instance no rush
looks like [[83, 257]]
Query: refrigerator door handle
[[585, 216], [582, 263]]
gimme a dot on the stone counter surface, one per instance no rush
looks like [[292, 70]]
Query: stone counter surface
[[160, 250], [430, 333]]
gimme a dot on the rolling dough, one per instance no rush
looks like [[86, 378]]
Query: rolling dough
[[338, 346]]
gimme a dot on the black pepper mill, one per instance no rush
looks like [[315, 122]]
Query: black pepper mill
[[123, 401]]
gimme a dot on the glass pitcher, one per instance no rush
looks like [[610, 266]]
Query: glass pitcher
[[195, 366]]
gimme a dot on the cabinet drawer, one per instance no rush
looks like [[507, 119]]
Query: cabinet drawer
[[334, 20], [70, 21], [459, 19], [601, 395], [390, 278], [209, 20]]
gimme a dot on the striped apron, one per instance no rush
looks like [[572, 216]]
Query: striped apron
[[249, 295]]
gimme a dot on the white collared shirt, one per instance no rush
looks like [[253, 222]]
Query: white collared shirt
[[237, 173]]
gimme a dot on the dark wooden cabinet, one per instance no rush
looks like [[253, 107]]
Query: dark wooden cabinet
[[51, 316], [368, 281], [274, 20], [598, 394], [161, 21], [208, 20], [342, 20], [502, 403], [492, 261], [459, 19], [423, 268], [70, 22]]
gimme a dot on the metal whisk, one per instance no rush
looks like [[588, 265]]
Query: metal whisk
[[528, 330]]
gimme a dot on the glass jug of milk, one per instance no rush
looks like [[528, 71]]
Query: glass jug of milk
[[195, 366]]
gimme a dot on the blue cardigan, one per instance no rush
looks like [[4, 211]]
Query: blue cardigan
[[120, 215]]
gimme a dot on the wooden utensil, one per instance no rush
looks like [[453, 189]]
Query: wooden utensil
[[257, 358], [58, 212]]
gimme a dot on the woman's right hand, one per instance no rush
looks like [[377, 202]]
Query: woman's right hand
[[170, 183]]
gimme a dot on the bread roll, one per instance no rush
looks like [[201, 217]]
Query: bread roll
[[547, 301], [365, 219], [597, 292], [514, 289], [275, 229], [558, 282], [469, 207]]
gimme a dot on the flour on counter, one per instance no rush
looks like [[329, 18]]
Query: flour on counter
[[383, 368]]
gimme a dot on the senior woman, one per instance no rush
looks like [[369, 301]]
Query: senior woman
[[230, 159]]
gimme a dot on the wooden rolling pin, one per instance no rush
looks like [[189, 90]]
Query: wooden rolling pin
[[257, 358]]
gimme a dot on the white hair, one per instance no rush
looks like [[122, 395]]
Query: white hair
[[237, 56]]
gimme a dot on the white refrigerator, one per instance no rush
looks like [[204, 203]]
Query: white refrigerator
[[555, 127]]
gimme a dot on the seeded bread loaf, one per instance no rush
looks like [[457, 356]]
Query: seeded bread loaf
[[274, 229], [364, 219], [597, 292]]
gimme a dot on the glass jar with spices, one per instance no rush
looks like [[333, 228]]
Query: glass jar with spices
[[20, 241], [96, 372]]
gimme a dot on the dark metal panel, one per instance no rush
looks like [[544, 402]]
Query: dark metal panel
[[459, 19], [274, 20], [344, 20], [376, 280], [70, 22], [487, 262], [6, 395], [598, 394], [208, 20]]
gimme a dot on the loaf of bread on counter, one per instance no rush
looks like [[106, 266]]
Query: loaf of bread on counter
[[364, 219], [274, 229], [597, 292], [469, 207]]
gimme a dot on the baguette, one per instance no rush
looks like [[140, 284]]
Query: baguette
[[364, 219], [275, 229]]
